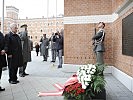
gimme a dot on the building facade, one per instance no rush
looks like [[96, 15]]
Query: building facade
[[36, 26], [39, 26]]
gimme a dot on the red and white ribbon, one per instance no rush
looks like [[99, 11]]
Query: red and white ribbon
[[60, 87]]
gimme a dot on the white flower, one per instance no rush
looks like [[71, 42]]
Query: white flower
[[81, 71], [83, 86], [78, 72], [88, 78], [84, 74], [85, 67], [82, 68], [91, 72], [79, 79], [94, 66], [86, 83], [88, 71], [82, 79]]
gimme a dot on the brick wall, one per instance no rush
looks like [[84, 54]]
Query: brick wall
[[78, 47], [117, 4], [122, 62], [77, 37], [78, 44], [87, 7]]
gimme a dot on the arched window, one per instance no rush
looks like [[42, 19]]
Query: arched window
[[57, 23], [35, 37], [51, 29]]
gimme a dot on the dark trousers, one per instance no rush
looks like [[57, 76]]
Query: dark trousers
[[12, 70], [45, 57], [53, 51], [59, 54], [99, 57], [22, 69], [37, 53], [0, 72]]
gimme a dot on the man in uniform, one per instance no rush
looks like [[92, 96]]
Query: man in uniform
[[26, 50], [98, 39], [44, 47]]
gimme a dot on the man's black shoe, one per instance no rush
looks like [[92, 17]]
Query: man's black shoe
[[4, 68], [12, 82], [21, 75], [52, 61], [17, 81], [2, 89], [59, 66], [25, 74]]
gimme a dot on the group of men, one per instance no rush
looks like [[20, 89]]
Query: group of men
[[18, 49], [15, 51], [56, 47]]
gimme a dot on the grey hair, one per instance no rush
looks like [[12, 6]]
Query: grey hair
[[12, 25]]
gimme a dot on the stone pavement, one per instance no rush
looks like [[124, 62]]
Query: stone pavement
[[42, 77]]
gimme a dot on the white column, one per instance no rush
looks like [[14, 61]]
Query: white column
[[2, 19]]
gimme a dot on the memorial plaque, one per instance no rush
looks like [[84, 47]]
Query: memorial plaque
[[127, 35]]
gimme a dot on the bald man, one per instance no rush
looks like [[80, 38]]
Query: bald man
[[13, 48]]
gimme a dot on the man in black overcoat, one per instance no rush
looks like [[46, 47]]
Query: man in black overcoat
[[13, 49], [2, 57]]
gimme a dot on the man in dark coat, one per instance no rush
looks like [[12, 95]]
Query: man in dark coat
[[2, 57], [26, 50], [37, 47], [58, 39], [98, 39], [13, 49]]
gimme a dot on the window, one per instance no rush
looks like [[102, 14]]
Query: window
[[35, 37], [62, 23], [51, 29], [51, 23], [57, 29], [57, 23]]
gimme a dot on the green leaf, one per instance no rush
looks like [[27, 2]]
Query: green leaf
[[98, 84]]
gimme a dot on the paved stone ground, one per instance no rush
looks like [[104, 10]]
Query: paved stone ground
[[42, 77]]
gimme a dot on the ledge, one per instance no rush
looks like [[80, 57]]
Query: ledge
[[124, 7], [72, 68]]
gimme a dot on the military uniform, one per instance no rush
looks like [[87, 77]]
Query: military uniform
[[99, 45]]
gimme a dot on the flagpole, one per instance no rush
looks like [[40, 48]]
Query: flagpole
[[56, 16], [2, 19], [47, 15]]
